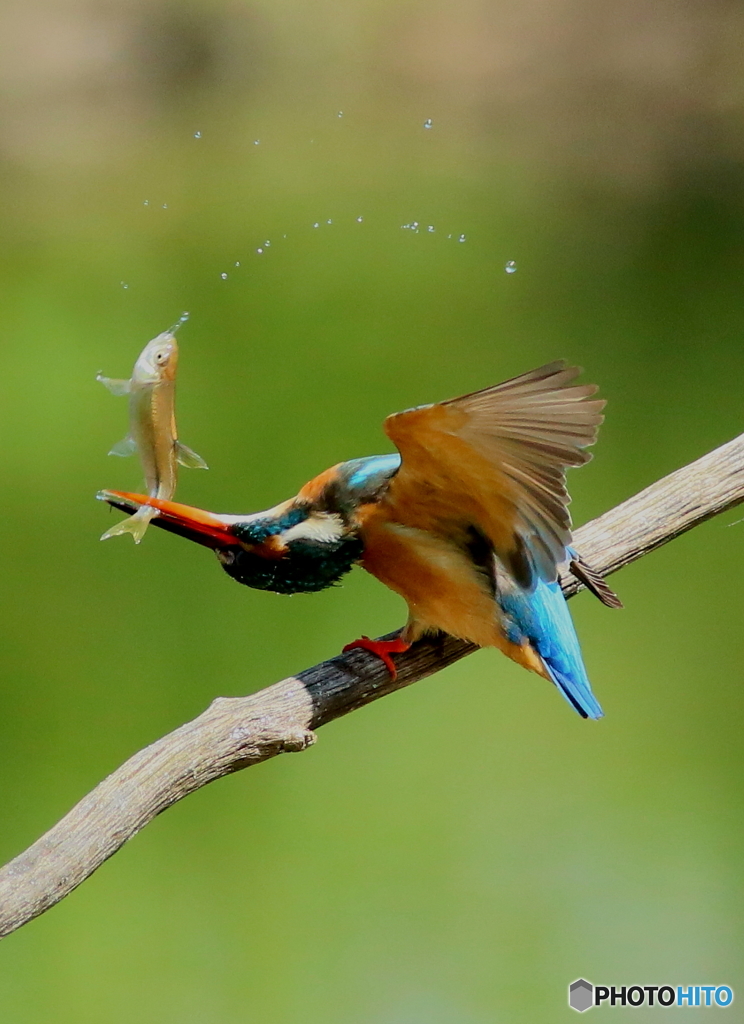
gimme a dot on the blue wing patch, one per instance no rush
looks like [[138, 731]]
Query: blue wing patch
[[365, 478], [542, 617], [364, 470]]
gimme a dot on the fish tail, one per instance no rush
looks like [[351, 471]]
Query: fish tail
[[135, 525]]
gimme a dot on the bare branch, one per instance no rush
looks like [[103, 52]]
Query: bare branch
[[234, 733]]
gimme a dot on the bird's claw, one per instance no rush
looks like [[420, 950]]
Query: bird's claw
[[382, 648]]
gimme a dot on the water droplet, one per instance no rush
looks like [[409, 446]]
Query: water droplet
[[430, 228], [123, 284], [267, 243], [284, 236], [256, 142], [340, 113], [259, 250], [223, 276], [511, 267], [449, 236], [165, 206], [359, 220], [237, 263], [146, 202], [428, 123], [414, 225], [181, 320], [329, 221], [316, 224], [197, 135], [461, 238]]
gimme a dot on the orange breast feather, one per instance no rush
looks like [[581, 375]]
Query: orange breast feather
[[442, 587]]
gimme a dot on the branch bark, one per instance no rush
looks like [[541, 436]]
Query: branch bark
[[234, 733]]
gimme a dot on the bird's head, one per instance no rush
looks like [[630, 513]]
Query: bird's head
[[291, 548], [307, 543]]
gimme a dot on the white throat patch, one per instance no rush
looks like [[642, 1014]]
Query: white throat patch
[[319, 526]]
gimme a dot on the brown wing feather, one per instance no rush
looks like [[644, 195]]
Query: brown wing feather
[[496, 460], [594, 581]]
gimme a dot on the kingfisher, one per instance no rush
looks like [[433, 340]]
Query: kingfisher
[[468, 521]]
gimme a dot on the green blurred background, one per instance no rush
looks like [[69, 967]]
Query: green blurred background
[[459, 852]]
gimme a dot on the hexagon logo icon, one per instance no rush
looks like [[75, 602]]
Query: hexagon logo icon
[[580, 995]]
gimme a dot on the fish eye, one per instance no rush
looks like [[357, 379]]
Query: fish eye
[[161, 357]]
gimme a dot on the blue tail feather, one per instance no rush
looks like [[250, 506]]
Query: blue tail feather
[[542, 617]]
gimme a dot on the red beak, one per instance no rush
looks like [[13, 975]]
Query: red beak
[[189, 522]]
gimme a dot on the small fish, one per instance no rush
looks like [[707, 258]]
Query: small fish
[[152, 428]]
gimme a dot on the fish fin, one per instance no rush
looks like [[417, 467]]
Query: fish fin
[[189, 458], [127, 446], [593, 581], [116, 387], [136, 525]]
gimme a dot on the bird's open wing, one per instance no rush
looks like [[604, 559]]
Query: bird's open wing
[[495, 461]]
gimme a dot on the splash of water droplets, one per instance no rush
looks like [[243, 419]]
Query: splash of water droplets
[[181, 320]]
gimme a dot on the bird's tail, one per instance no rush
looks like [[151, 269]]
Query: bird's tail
[[576, 689], [136, 524], [540, 621], [558, 646]]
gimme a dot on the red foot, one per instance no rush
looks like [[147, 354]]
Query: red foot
[[382, 648]]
